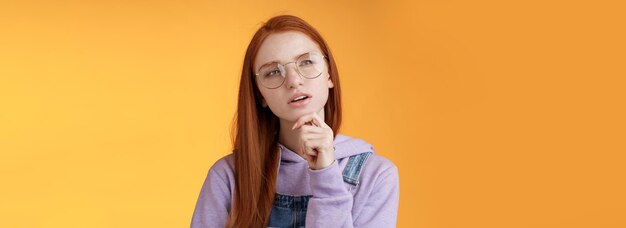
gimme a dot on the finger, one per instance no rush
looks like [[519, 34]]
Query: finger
[[313, 146], [306, 129], [303, 152], [318, 121], [307, 156], [306, 151], [312, 142], [307, 132], [300, 121], [311, 133], [313, 118], [311, 152], [306, 146], [308, 119], [312, 137]]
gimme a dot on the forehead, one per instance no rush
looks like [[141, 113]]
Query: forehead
[[284, 47]]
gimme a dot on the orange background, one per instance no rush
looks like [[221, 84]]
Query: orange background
[[497, 113]]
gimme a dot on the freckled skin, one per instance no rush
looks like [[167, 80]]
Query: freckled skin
[[285, 47], [302, 129]]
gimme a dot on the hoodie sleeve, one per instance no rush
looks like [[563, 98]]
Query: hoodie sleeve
[[331, 204], [214, 201], [381, 209]]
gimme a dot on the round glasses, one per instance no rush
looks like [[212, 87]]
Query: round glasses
[[308, 65]]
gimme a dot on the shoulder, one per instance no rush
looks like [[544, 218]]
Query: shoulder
[[223, 169], [379, 166], [375, 163], [379, 179]]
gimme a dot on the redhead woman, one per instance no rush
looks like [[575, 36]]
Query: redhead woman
[[289, 167]]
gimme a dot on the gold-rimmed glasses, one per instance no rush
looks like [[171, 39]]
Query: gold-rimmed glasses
[[308, 65]]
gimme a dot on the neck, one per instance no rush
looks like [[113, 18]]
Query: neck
[[290, 138]]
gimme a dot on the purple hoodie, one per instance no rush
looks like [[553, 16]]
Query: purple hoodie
[[371, 202]]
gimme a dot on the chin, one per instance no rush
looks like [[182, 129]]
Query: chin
[[296, 114]]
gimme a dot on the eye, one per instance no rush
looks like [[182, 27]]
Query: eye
[[306, 62], [272, 73]]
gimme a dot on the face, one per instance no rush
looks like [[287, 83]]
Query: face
[[286, 47]]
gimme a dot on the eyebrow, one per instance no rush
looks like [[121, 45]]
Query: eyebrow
[[276, 61]]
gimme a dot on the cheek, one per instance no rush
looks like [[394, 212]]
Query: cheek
[[272, 100], [323, 94], [276, 108]]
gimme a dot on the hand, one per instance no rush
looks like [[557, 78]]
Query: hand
[[316, 141]]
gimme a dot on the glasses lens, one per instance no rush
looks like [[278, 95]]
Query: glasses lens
[[311, 65], [270, 76]]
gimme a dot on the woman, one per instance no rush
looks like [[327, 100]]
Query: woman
[[289, 168]]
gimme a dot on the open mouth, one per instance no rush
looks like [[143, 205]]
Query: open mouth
[[300, 99]]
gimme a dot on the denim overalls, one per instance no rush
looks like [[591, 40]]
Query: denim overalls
[[290, 211]]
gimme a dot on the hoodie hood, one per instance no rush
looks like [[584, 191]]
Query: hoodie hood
[[345, 146]]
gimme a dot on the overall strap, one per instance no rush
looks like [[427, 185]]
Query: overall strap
[[353, 169]]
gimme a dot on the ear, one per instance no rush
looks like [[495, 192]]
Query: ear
[[330, 83], [263, 102]]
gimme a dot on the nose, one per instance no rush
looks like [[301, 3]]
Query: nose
[[292, 78]]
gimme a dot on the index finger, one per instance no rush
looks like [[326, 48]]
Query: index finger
[[312, 117]]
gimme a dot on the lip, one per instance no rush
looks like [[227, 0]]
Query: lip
[[297, 95], [300, 103]]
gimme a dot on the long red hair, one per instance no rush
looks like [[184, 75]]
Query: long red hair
[[255, 130]]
